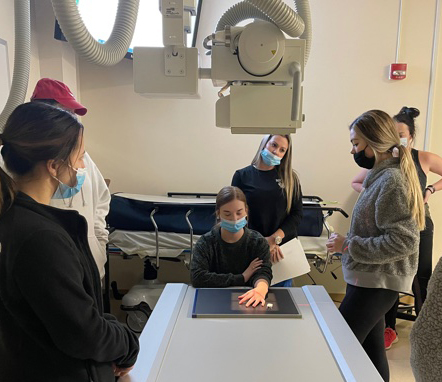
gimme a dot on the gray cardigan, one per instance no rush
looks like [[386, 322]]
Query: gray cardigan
[[426, 334], [381, 249]]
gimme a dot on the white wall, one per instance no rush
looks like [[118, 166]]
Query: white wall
[[57, 59], [178, 146], [49, 57], [155, 146]]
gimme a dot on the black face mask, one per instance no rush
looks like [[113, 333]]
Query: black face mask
[[362, 161]]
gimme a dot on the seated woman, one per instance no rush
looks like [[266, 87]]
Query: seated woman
[[231, 254]]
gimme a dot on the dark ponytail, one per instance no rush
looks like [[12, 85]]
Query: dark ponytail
[[7, 191], [35, 133]]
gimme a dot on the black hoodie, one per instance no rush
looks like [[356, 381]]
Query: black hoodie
[[52, 325]]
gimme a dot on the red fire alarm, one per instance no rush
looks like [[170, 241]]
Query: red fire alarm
[[398, 71]]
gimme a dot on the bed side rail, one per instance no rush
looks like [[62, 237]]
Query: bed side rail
[[197, 195], [330, 210], [327, 211]]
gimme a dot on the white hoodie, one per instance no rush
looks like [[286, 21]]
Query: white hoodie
[[92, 202]]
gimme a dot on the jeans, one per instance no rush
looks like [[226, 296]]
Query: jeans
[[287, 284]]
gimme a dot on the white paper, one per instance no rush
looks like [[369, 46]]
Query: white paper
[[293, 264]]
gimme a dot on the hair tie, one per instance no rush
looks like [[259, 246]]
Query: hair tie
[[395, 152]]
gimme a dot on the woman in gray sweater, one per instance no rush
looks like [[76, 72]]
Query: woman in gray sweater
[[380, 252]]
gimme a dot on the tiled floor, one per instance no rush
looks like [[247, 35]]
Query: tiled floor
[[399, 354]]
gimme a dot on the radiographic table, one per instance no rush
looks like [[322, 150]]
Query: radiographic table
[[319, 346]]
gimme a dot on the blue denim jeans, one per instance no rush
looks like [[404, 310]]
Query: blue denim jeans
[[287, 284]]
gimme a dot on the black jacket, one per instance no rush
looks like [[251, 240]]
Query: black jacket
[[52, 326], [268, 203]]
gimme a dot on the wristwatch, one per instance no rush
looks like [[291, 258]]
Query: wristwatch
[[278, 240], [431, 188]]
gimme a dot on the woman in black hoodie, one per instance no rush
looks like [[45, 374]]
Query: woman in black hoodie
[[52, 325]]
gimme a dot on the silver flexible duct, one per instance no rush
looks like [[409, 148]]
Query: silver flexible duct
[[303, 9], [282, 15], [22, 59], [115, 48], [275, 11], [240, 12]]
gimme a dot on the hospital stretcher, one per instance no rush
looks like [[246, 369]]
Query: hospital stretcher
[[167, 227]]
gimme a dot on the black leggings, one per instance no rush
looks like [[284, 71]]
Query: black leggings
[[423, 274], [364, 310]]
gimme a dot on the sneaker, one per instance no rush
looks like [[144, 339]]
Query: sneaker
[[390, 337]]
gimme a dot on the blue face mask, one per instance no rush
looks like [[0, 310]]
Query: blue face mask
[[64, 191], [234, 225], [404, 142], [269, 158]]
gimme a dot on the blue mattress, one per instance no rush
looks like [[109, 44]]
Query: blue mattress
[[132, 213], [312, 223]]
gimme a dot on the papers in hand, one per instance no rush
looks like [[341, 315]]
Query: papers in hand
[[293, 264]]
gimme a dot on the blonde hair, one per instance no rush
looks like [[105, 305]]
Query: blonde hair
[[289, 178], [378, 129]]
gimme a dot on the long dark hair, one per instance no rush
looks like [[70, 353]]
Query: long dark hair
[[34, 133]]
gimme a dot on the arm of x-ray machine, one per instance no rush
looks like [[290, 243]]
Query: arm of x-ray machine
[[261, 67]]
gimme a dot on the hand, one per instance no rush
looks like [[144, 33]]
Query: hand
[[121, 371], [271, 241], [276, 255], [335, 243], [427, 195], [251, 269], [254, 297]]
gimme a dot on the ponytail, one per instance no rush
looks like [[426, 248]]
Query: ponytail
[[414, 192]]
